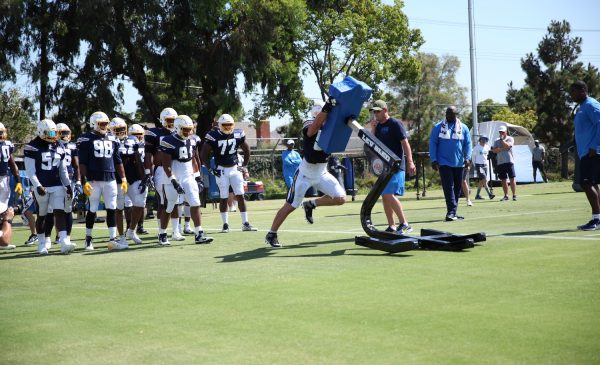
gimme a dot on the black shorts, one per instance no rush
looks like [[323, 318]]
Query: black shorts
[[482, 171], [506, 170], [589, 170], [538, 165]]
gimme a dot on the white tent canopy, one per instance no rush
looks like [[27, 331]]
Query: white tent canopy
[[524, 143]]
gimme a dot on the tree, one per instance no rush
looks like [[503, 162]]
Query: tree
[[527, 119], [549, 75], [16, 113], [425, 100]]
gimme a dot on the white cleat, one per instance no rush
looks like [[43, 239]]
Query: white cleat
[[177, 237], [162, 239], [134, 237], [66, 246], [121, 244], [8, 247]]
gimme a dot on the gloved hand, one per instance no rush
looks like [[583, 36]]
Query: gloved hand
[[200, 184], [124, 186], [216, 172], [435, 165], [329, 104], [69, 191], [146, 183], [78, 188], [19, 188], [41, 190], [177, 186], [87, 189]]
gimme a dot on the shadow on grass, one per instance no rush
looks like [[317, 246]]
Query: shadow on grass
[[264, 252], [537, 233]]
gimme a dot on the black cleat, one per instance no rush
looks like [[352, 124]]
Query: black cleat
[[141, 230], [271, 239], [308, 209], [202, 238], [592, 225]]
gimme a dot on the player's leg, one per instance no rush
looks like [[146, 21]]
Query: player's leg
[[138, 200], [119, 213], [223, 184], [57, 196], [109, 193], [175, 220], [192, 199], [90, 218], [42, 203], [170, 196], [333, 192], [236, 181]]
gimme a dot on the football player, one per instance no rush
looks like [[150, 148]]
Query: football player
[[186, 207], [180, 166], [72, 162], [153, 164], [7, 164], [133, 157], [311, 172], [224, 144], [99, 161], [47, 172], [118, 129]]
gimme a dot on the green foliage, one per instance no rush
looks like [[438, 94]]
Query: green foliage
[[527, 119], [16, 115], [425, 100]]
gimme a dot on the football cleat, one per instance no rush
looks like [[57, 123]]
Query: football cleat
[[187, 230], [404, 228], [8, 247], [89, 246], [271, 239], [131, 235], [247, 227], [31, 240], [308, 209], [592, 225], [225, 228], [202, 238], [141, 230], [66, 246], [162, 239], [176, 236]]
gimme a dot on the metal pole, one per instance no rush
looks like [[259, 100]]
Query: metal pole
[[473, 70]]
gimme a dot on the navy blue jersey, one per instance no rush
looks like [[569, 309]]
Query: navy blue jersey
[[179, 149], [6, 150], [47, 157], [225, 146], [152, 140], [70, 152], [129, 147], [100, 156], [391, 133], [310, 154]]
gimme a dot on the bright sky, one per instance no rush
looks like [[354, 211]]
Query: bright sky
[[505, 31]]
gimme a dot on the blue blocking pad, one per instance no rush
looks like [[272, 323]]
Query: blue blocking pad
[[350, 95]]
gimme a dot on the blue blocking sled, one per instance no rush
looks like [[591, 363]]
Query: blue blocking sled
[[350, 95]]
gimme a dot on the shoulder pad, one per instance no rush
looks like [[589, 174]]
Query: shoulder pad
[[209, 137], [9, 143], [239, 133], [29, 147], [150, 133], [166, 144], [82, 139]]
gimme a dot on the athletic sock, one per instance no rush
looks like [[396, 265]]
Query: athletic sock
[[313, 203], [88, 231], [112, 232], [175, 224], [197, 230], [161, 230], [62, 235], [595, 216], [225, 217], [244, 217]]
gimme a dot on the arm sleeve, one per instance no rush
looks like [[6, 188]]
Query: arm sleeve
[[433, 144], [117, 154], [594, 116], [63, 173], [30, 170]]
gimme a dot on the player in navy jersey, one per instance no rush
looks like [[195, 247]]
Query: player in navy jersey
[[47, 172], [7, 164], [180, 165], [224, 143], [72, 162], [185, 207], [118, 129], [99, 162], [154, 170], [133, 161], [311, 172]]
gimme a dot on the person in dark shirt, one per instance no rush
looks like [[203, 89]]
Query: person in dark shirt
[[99, 162], [224, 143], [312, 172], [47, 172], [133, 162]]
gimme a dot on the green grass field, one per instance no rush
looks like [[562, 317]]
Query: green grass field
[[530, 294]]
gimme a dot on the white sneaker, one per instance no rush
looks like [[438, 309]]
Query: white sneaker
[[42, 250], [176, 236], [469, 203], [89, 246], [121, 244], [66, 246], [131, 235], [8, 247], [48, 243]]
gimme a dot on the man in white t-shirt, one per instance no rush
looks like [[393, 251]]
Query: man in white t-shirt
[[480, 159], [538, 157], [506, 162]]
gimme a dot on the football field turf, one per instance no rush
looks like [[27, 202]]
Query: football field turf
[[530, 294]]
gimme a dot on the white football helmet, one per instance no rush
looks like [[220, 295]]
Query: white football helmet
[[167, 116], [137, 131], [184, 127], [316, 108], [226, 123], [99, 122], [3, 132], [118, 127], [63, 132], [46, 130]]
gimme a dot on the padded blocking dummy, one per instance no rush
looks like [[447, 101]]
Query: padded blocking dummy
[[350, 95]]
